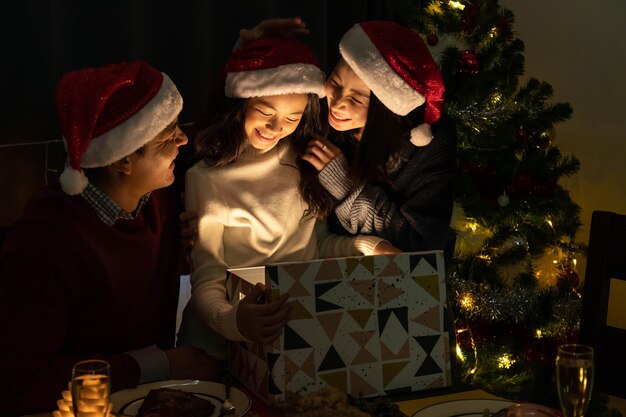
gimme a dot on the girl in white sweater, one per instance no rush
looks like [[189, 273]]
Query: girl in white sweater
[[257, 202]]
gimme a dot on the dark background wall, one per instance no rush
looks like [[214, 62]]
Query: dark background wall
[[189, 40]]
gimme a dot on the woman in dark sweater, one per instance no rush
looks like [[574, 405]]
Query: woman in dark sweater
[[390, 157]]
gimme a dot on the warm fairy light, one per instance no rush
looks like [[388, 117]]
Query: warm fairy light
[[471, 225], [539, 333], [434, 8], [505, 361], [496, 98], [456, 5], [493, 32], [467, 302], [550, 223], [574, 261], [459, 353]]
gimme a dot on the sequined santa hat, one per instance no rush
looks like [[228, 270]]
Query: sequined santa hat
[[273, 66], [109, 112], [395, 63]]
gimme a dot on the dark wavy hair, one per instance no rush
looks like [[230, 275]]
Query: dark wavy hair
[[224, 140], [378, 152]]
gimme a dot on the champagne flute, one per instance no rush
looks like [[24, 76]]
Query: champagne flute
[[91, 388], [574, 378]]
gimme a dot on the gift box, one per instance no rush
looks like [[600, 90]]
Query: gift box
[[368, 325]]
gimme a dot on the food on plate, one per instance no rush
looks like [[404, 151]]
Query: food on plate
[[332, 402], [168, 402]]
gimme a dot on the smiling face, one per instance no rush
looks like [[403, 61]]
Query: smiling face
[[153, 166], [272, 118], [348, 99]]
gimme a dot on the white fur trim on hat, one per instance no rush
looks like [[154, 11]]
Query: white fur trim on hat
[[421, 135], [285, 79], [363, 57], [136, 131], [73, 182]]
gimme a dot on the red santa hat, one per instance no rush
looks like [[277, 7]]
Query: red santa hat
[[273, 66], [109, 112], [395, 63]]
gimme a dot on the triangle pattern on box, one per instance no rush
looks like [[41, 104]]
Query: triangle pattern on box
[[322, 288], [366, 288], [298, 290], [298, 311], [430, 318], [332, 360], [363, 356], [391, 370], [295, 270], [366, 262], [392, 269], [387, 355], [272, 358], [329, 270], [429, 258], [430, 284], [330, 323], [428, 367], [360, 385], [401, 314], [387, 293], [292, 340], [361, 317], [428, 342], [361, 338], [337, 379]]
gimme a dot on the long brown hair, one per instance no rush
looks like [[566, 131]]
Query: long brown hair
[[224, 140], [379, 148]]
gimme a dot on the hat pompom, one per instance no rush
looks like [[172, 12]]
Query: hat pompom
[[72, 181], [421, 135]]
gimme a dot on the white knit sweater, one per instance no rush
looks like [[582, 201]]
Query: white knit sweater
[[250, 213]]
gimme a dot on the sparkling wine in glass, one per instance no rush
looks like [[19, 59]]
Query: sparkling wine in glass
[[91, 388], [574, 378]]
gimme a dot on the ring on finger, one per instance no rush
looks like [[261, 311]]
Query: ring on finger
[[324, 147]]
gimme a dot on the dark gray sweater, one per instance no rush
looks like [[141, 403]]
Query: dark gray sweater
[[414, 212]]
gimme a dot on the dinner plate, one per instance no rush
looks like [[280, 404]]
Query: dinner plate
[[463, 408], [128, 401]]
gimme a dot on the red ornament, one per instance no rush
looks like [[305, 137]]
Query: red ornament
[[522, 134], [468, 62], [432, 39]]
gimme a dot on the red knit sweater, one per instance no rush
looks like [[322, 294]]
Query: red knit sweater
[[73, 288]]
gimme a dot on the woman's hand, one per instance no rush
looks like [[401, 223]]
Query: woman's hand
[[260, 321], [320, 152], [290, 26], [385, 247]]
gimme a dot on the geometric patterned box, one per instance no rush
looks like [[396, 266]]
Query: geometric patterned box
[[369, 325]]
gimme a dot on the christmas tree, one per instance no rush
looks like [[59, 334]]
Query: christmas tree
[[514, 287]]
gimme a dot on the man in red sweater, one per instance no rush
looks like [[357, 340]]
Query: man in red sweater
[[91, 270]]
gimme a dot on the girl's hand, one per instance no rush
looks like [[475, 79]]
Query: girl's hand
[[259, 321], [320, 152], [188, 233], [290, 26]]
